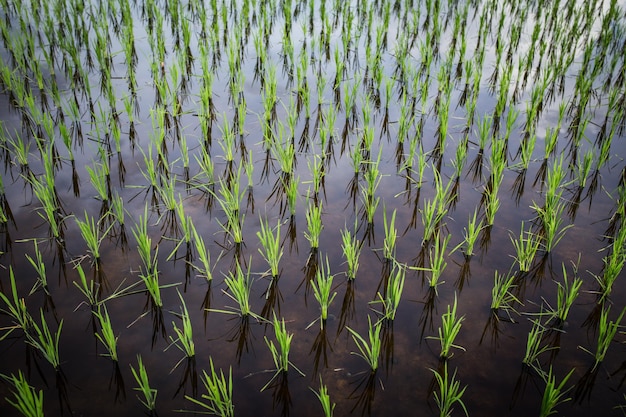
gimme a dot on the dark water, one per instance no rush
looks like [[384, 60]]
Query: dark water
[[490, 365]]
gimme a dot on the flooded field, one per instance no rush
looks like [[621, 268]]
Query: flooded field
[[265, 207]]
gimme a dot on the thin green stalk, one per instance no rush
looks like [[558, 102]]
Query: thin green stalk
[[554, 394], [324, 399], [450, 392], [450, 328], [606, 332], [370, 349], [42, 339], [26, 399], [393, 292], [106, 336], [351, 247], [271, 249], [184, 341], [141, 376], [218, 399], [314, 224], [322, 288]]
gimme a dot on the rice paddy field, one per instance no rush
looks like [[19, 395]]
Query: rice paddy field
[[316, 208]]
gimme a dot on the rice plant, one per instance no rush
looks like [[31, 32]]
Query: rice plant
[[322, 288], [15, 308], [437, 260], [324, 399], [93, 235], [470, 235], [39, 265], [239, 286], [535, 347], [141, 376], [184, 340], [106, 336], [280, 354], [450, 392], [607, 329], [502, 296], [46, 342], [271, 249], [26, 399], [526, 246], [391, 235], [554, 394], [449, 330], [390, 300], [351, 248], [314, 224], [218, 399], [567, 292], [369, 349]]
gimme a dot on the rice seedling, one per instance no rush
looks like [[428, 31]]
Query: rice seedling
[[314, 224], [369, 349], [437, 260], [470, 236], [502, 297], [47, 343], [391, 235], [324, 399], [271, 248], [607, 329], [26, 399], [351, 247], [149, 272], [435, 210], [239, 285], [15, 309], [390, 300], [554, 394], [106, 336], [184, 340], [567, 292], [534, 346], [93, 236], [141, 376], [450, 392], [526, 247], [280, 354], [40, 267], [322, 288], [230, 198], [218, 399], [448, 331], [205, 269], [552, 220]]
